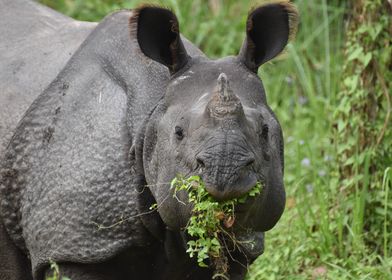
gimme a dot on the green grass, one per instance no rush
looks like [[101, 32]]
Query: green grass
[[321, 234]]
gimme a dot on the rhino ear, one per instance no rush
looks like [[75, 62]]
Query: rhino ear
[[268, 30], [158, 35]]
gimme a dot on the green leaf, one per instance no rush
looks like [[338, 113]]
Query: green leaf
[[194, 179], [366, 59], [153, 206], [174, 182], [355, 54]]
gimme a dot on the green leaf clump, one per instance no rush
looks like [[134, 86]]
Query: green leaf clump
[[209, 220]]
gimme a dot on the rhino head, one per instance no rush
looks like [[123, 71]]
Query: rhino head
[[213, 120]]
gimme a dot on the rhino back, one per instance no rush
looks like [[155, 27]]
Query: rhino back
[[36, 42], [67, 170]]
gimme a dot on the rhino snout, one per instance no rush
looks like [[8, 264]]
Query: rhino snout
[[227, 179]]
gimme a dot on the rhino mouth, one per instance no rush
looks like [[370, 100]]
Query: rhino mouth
[[242, 185]]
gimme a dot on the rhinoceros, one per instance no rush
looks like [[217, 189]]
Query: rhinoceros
[[97, 119]]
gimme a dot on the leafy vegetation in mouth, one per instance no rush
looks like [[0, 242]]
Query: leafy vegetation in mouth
[[210, 221]]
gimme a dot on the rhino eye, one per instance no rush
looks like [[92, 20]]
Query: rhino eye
[[264, 132], [179, 132]]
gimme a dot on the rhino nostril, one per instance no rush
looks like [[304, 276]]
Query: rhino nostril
[[200, 162], [249, 162]]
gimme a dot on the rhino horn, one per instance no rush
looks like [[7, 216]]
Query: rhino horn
[[223, 101], [224, 90]]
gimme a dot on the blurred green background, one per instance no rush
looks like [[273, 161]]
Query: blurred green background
[[337, 224]]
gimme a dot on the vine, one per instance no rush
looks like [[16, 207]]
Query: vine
[[362, 118]]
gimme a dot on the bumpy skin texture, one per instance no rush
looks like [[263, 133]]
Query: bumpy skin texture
[[36, 43], [102, 142]]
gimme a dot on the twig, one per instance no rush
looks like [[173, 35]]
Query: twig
[[179, 200], [122, 220], [235, 243], [232, 258]]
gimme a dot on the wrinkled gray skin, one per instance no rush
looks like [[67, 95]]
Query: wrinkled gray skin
[[111, 128]]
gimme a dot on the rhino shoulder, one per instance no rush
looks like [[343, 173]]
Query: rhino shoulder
[[36, 44]]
